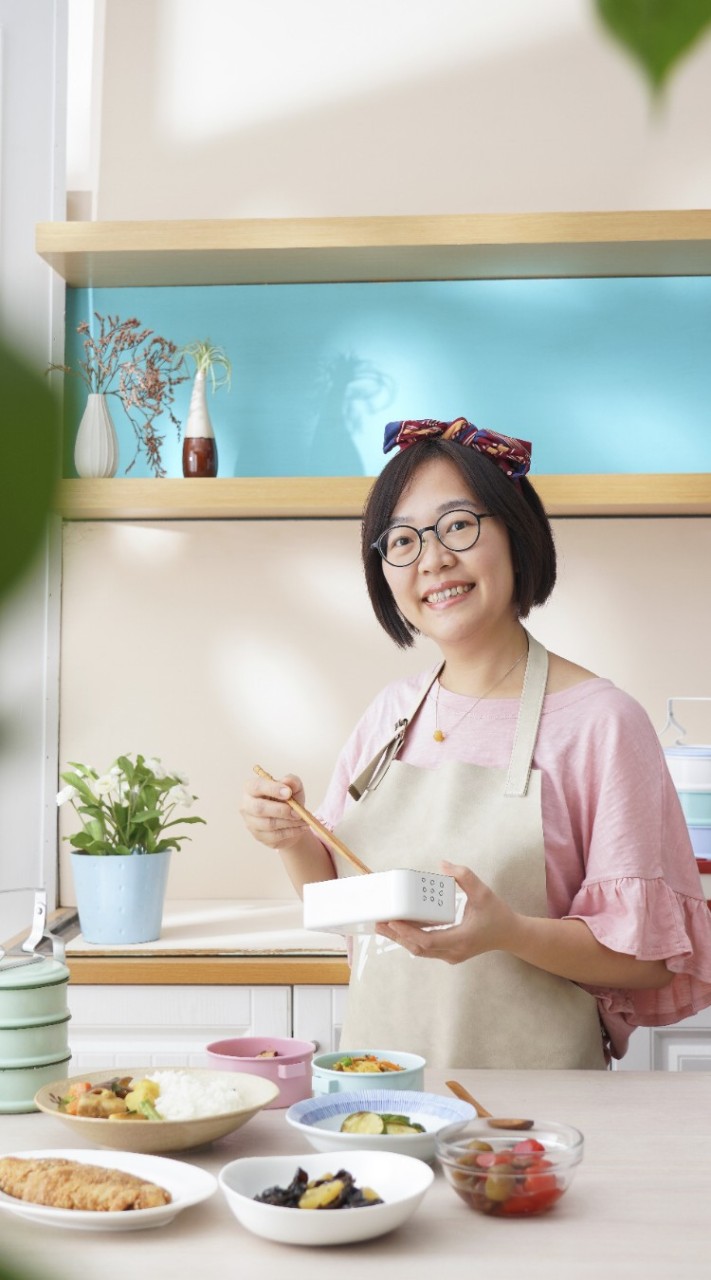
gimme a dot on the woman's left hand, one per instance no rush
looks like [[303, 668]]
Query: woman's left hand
[[485, 925]]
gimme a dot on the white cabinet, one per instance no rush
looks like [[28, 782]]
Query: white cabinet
[[114, 1026], [124, 1025], [317, 1014], [684, 1047]]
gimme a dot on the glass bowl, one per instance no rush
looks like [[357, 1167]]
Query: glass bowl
[[509, 1173]]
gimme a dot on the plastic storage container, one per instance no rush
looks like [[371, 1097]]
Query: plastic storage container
[[690, 768], [700, 840], [355, 904]]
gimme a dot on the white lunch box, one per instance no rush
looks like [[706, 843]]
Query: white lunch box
[[355, 904]]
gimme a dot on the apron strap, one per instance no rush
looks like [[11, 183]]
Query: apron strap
[[534, 688], [379, 765], [529, 715]]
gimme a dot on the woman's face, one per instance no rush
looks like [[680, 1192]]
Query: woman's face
[[454, 597]]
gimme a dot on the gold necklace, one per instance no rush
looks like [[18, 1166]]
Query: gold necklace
[[438, 735]]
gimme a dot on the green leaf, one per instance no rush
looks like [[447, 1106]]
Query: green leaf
[[124, 763], [656, 32], [30, 464], [82, 787], [176, 822], [90, 844]]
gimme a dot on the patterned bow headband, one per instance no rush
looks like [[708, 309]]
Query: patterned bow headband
[[511, 455]]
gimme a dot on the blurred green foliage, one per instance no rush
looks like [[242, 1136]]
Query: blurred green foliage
[[30, 433], [656, 32]]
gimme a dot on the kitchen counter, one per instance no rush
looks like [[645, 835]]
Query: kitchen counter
[[214, 943], [634, 1208]]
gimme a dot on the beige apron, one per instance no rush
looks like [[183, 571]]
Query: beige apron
[[493, 1010]]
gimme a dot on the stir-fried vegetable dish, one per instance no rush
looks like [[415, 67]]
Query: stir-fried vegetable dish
[[119, 1098], [368, 1062], [331, 1191]]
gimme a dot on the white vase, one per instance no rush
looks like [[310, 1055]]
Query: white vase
[[199, 445], [96, 446]]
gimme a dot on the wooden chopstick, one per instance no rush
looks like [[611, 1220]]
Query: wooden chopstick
[[318, 827]]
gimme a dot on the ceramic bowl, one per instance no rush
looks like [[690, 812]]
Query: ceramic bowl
[[399, 1180], [319, 1120], [157, 1137], [290, 1070], [509, 1174], [327, 1080]]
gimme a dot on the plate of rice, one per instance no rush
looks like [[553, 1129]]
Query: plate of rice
[[185, 1107]]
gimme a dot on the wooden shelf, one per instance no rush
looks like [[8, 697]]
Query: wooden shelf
[[315, 250], [305, 497]]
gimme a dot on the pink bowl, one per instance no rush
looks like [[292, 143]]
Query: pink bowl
[[290, 1070]]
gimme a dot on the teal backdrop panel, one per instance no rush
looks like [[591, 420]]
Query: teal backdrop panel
[[603, 375]]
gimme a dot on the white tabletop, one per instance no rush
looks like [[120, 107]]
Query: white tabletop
[[637, 1206]]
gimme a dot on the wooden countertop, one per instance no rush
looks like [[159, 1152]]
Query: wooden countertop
[[634, 1208], [180, 963], [194, 970]]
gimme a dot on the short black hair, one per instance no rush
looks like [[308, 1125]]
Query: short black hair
[[516, 504]]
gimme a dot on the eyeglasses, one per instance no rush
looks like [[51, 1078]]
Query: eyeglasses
[[455, 530]]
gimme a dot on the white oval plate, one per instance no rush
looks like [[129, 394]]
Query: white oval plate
[[187, 1185]]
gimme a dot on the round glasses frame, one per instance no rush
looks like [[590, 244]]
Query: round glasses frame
[[379, 544]]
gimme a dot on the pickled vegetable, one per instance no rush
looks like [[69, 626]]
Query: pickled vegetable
[[514, 1181]]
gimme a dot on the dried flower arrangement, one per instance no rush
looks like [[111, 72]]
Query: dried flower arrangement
[[139, 367]]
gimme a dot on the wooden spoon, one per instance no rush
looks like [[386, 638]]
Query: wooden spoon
[[322, 832], [494, 1121]]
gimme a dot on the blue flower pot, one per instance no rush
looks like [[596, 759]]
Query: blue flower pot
[[120, 897]]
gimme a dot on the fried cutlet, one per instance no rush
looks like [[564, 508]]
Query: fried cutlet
[[68, 1184]]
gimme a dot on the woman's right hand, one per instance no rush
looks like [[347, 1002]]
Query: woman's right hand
[[266, 814]]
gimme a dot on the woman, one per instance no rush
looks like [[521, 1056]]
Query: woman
[[543, 786]]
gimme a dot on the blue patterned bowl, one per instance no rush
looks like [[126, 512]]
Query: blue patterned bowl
[[319, 1120]]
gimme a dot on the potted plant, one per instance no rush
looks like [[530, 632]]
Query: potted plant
[[121, 853], [142, 370], [199, 445]]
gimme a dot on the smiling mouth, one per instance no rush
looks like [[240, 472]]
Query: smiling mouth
[[436, 597]]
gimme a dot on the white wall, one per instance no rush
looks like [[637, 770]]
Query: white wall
[[278, 108], [218, 645]]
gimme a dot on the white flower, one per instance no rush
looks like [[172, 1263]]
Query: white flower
[[67, 793], [182, 777], [156, 767], [179, 795], [118, 791], [104, 786]]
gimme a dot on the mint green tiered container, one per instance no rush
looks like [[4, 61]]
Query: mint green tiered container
[[34, 1016]]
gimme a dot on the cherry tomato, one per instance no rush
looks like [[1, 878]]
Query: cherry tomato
[[535, 1202], [527, 1146]]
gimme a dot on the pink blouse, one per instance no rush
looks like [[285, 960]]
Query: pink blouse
[[618, 854]]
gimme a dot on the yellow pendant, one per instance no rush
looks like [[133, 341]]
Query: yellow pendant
[[438, 735]]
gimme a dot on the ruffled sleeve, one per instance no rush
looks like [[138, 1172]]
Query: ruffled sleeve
[[651, 921]]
